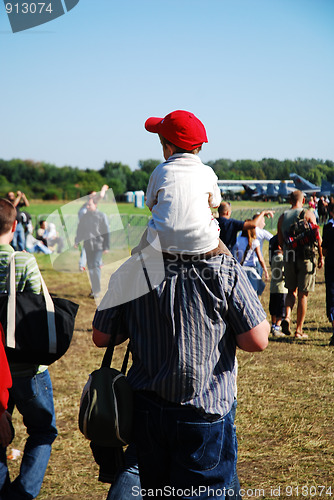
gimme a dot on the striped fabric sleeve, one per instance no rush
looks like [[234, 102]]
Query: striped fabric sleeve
[[103, 319], [27, 273]]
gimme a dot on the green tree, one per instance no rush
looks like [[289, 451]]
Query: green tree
[[115, 173], [138, 181], [148, 165]]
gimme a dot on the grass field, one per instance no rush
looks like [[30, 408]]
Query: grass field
[[285, 406], [38, 207]]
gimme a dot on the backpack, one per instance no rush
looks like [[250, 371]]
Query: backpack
[[273, 247], [302, 237]]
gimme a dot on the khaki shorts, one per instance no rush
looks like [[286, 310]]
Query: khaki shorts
[[300, 274]]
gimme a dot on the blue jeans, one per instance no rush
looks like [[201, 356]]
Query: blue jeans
[[82, 260], [94, 258], [127, 484], [34, 400], [39, 248], [19, 239], [128, 479], [179, 448], [256, 282]]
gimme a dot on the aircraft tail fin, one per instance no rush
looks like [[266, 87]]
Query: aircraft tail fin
[[303, 184]]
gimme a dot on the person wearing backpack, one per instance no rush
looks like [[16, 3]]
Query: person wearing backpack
[[31, 392], [298, 235]]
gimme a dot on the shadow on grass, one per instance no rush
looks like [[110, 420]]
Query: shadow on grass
[[292, 340], [284, 340], [324, 329]]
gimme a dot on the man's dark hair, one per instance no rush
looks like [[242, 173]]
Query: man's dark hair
[[7, 215], [224, 208]]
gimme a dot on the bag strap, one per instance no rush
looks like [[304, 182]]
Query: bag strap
[[301, 215], [145, 272], [107, 358], [11, 308]]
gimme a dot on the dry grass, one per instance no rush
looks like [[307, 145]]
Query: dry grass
[[284, 421]]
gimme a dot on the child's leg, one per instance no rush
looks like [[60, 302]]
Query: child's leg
[[280, 308]]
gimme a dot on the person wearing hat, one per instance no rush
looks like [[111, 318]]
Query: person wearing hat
[[181, 190], [183, 331]]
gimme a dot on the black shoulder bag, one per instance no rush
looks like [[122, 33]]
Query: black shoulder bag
[[38, 328]]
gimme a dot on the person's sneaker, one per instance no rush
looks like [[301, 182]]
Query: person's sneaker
[[285, 326], [272, 330], [278, 332], [331, 342]]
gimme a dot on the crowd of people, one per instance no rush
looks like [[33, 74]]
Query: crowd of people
[[47, 238], [184, 332], [320, 207]]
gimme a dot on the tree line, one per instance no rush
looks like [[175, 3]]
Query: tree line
[[40, 180]]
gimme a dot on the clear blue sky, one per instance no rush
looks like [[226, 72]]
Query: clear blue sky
[[258, 73]]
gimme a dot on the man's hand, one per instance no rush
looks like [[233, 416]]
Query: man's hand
[[320, 261], [5, 429], [268, 213], [258, 220], [104, 189]]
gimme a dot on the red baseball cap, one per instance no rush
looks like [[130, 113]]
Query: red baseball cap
[[181, 128]]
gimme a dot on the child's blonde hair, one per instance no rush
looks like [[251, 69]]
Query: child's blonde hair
[[164, 143]]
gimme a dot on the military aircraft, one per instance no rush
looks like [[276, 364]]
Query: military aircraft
[[326, 188], [257, 190]]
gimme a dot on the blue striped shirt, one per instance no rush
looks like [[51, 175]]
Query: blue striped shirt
[[183, 333]]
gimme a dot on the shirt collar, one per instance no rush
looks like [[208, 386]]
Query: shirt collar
[[6, 248], [184, 156]]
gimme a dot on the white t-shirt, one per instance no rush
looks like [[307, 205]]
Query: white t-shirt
[[263, 234], [178, 194], [240, 248]]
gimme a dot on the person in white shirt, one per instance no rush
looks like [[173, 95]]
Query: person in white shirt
[[247, 251], [261, 234], [182, 190]]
